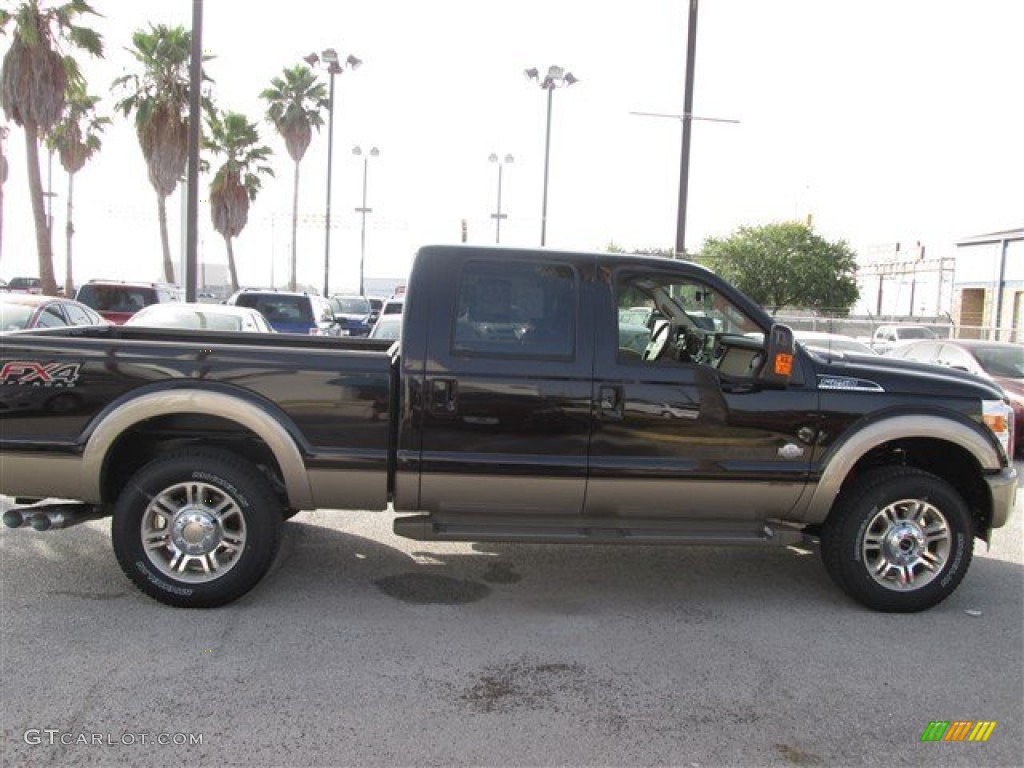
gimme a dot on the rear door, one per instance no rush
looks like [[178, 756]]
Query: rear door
[[503, 408]]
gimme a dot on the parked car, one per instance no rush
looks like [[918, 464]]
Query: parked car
[[888, 337], [352, 314], [117, 300], [998, 361], [25, 285], [393, 306], [289, 311], [210, 317], [832, 342], [25, 311], [387, 327]]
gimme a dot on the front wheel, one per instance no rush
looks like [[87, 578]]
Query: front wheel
[[196, 528], [898, 540]]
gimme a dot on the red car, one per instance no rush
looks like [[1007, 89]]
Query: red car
[[1000, 361], [24, 311], [117, 301]]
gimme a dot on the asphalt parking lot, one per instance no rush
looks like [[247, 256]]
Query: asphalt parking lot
[[362, 648]]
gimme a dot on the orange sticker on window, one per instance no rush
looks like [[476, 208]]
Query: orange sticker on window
[[783, 364]]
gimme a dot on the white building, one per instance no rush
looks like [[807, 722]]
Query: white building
[[988, 286]]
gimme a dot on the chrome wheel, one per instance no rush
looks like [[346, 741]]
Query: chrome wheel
[[193, 532], [906, 544]]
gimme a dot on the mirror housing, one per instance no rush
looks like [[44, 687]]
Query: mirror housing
[[780, 357]]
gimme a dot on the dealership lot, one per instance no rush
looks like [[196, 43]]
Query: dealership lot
[[368, 649]]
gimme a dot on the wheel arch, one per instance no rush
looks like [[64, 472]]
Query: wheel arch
[[957, 451], [109, 445]]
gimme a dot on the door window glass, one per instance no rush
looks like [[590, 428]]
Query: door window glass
[[672, 318], [516, 310]]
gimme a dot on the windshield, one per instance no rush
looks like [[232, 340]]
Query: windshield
[[14, 317], [350, 305], [916, 333], [1001, 361], [170, 316]]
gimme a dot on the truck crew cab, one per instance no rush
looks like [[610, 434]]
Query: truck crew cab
[[510, 412]]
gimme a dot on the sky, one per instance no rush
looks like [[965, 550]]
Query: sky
[[886, 120]]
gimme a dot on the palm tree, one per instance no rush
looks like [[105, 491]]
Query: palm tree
[[76, 138], [3, 180], [32, 87], [159, 97], [238, 180], [294, 104]]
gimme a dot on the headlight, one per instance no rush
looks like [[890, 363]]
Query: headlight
[[998, 417]]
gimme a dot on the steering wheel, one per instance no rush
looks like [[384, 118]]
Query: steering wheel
[[696, 346], [658, 344]]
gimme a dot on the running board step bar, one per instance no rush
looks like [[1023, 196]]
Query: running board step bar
[[539, 530]]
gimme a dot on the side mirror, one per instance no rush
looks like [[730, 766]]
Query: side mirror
[[780, 354]]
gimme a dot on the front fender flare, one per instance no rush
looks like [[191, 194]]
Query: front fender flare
[[842, 457]]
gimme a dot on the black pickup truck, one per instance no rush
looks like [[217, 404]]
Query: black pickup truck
[[523, 403]]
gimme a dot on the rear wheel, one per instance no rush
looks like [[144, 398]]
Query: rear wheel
[[898, 540], [196, 528]]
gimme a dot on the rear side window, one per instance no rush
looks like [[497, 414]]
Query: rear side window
[[516, 310]]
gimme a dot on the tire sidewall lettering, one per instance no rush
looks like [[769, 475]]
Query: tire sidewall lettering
[[220, 482], [156, 581], [954, 566]]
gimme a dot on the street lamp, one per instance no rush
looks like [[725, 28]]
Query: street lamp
[[555, 78], [498, 215], [374, 152], [328, 60]]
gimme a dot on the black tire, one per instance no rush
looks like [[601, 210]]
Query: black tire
[[898, 540], [212, 521]]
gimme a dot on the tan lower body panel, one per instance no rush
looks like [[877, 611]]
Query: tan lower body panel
[[726, 500], [348, 489], [488, 493], [42, 475]]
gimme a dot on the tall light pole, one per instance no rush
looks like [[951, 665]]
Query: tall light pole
[[555, 78], [498, 215], [374, 152], [686, 119], [328, 60]]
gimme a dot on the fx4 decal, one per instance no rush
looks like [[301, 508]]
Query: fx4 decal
[[31, 373]]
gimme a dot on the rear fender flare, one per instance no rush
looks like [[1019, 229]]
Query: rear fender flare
[[246, 414]]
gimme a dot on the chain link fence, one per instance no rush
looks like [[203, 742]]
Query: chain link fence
[[863, 327]]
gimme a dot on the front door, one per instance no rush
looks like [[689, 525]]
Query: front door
[[682, 429]]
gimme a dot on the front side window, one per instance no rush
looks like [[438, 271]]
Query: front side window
[[516, 310], [668, 317], [51, 317]]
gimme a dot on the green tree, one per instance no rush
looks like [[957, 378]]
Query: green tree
[[159, 97], [36, 74], [76, 138], [237, 181], [786, 264], [294, 105], [614, 247]]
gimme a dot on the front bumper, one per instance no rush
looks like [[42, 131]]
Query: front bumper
[[1003, 487]]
